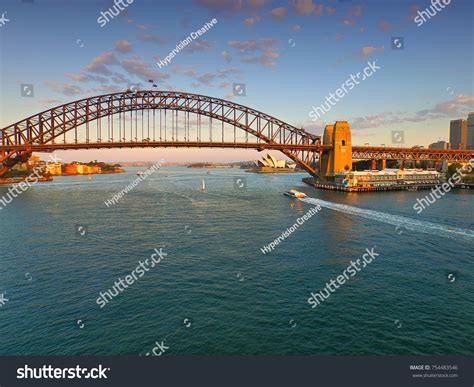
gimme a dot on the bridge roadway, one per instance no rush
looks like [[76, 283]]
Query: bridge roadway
[[358, 152]]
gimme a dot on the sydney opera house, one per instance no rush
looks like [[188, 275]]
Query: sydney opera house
[[270, 164]]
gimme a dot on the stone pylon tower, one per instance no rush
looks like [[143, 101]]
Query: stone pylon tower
[[326, 161], [339, 159]]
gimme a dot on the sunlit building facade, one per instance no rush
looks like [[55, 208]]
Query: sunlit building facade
[[458, 134], [388, 178]]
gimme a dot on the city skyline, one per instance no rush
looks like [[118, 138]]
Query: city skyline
[[273, 48]]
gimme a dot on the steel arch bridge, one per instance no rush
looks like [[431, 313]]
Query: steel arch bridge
[[122, 120]]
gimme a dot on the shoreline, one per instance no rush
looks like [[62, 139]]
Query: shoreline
[[25, 180], [88, 174], [18, 180]]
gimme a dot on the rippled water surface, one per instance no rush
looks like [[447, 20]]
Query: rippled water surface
[[216, 293]]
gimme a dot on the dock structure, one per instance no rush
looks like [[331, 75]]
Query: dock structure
[[327, 185]]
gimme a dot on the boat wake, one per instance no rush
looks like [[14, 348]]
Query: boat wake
[[401, 222]]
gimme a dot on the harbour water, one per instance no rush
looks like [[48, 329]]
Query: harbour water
[[216, 293]]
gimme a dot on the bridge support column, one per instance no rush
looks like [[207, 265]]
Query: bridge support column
[[384, 164], [374, 164], [339, 159], [325, 160]]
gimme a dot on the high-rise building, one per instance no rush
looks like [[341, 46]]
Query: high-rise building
[[458, 134], [439, 145], [470, 131]]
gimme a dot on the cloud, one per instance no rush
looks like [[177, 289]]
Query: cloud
[[99, 63], [63, 88], [119, 78], [257, 3], [230, 6], [385, 26], [78, 77], [369, 50], [267, 58], [413, 12], [307, 7], [207, 78], [243, 45], [296, 28], [356, 11], [189, 71], [279, 13], [348, 22], [226, 56], [363, 53], [123, 46], [51, 102], [142, 69], [262, 51], [224, 85], [456, 106], [138, 25], [148, 38], [107, 89], [451, 109], [226, 72], [250, 21], [199, 45]]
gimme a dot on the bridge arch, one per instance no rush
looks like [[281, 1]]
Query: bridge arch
[[68, 127]]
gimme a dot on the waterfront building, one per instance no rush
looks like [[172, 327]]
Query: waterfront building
[[82, 169], [458, 134], [270, 164], [470, 131], [96, 169], [387, 178], [71, 169], [54, 168], [34, 162], [439, 145]]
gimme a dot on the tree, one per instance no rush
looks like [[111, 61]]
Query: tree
[[452, 169]]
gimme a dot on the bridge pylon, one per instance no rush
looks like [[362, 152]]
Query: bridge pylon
[[339, 158]]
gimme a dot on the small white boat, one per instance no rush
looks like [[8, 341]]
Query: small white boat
[[140, 173], [203, 185], [292, 193]]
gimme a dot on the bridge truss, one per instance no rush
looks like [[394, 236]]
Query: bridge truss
[[154, 119]]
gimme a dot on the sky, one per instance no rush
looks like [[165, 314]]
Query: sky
[[289, 54]]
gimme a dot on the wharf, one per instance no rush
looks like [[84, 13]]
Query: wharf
[[328, 185]]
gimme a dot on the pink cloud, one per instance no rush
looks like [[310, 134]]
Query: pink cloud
[[385, 26], [140, 68], [369, 50], [279, 13], [99, 63], [63, 88], [123, 46], [151, 39], [296, 28], [250, 21], [261, 52]]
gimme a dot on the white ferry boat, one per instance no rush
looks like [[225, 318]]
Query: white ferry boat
[[292, 193]]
